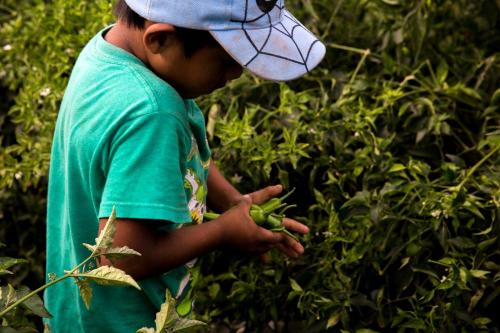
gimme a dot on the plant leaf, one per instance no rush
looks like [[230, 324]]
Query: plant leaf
[[295, 286], [108, 275], [7, 262], [120, 252], [184, 323], [167, 313], [146, 330], [34, 303], [91, 248], [105, 239], [85, 292]]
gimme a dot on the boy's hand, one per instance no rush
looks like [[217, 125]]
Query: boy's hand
[[241, 232]]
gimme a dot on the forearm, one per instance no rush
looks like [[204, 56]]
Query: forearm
[[163, 251], [221, 194]]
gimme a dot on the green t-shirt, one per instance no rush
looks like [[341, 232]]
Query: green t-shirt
[[123, 138]]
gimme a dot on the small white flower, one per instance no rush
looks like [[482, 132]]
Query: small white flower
[[18, 175], [7, 47], [45, 92], [236, 178], [327, 234], [436, 213], [444, 278], [356, 134]]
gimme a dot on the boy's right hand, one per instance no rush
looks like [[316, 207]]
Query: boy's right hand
[[240, 232]]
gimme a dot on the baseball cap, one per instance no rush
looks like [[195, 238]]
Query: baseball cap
[[261, 35]]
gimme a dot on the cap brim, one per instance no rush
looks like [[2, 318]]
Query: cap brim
[[280, 52]]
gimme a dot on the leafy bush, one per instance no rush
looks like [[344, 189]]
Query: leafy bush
[[392, 144]]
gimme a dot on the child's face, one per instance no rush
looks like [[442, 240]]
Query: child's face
[[208, 69]]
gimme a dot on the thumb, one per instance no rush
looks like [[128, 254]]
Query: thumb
[[246, 201]]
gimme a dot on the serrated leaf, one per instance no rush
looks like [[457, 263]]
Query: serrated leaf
[[184, 323], [167, 313], [120, 252], [105, 239], [85, 292], [34, 303], [295, 286], [8, 296], [91, 248], [145, 330], [109, 276]]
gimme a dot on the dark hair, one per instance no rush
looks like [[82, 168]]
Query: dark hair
[[192, 39]]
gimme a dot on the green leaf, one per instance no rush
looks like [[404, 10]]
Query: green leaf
[[479, 274], [107, 275], [184, 323], [85, 292], [7, 296], [295, 286], [482, 321], [320, 199], [415, 323], [366, 330], [333, 320], [7, 262], [462, 242], [34, 303], [397, 167], [484, 232]]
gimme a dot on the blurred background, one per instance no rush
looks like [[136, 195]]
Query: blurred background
[[392, 143]]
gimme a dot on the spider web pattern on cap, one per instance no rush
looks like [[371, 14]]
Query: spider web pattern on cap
[[278, 28]]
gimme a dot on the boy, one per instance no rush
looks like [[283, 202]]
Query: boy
[[129, 135]]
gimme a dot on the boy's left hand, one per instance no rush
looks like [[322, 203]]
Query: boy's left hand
[[288, 246]]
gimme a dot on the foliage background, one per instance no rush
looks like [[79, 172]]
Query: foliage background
[[392, 143]]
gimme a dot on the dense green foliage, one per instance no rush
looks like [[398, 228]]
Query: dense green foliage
[[392, 144]]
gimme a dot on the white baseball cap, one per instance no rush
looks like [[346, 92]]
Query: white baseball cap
[[261, 35]]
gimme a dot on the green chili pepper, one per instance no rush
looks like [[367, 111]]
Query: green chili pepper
[[210, 216], [274, 221], [275, 203], [257, 215], [264, 215]]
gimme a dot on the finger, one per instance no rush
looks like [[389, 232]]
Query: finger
[[287, 251], [293, 245], [295, 226], [263, 195], [265, 258], [270, 237], [246, 201]]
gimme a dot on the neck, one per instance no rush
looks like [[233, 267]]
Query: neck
[[128, 39]]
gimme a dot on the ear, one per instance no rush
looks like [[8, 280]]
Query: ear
[[158, 36]]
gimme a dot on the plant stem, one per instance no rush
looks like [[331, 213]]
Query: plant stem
[[33, 293], [45, 286], [475, 167], [360, 64]]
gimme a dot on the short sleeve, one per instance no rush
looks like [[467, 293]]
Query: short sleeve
[[145, 169]]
